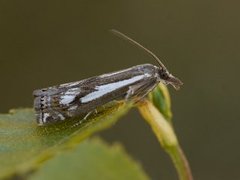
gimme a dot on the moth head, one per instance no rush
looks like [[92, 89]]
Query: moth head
[[164, 75], [167, 78]]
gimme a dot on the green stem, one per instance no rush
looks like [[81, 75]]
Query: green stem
[[167, 138], [180, 162]]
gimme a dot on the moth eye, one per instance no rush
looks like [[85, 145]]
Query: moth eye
[[164, 75], [43, 90]]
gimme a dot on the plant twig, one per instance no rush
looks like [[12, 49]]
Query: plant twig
[[167, 138]]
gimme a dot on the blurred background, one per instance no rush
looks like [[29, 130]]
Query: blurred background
[[44, 43]]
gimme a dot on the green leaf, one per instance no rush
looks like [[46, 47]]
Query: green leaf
[[24, 146], [91, 160]]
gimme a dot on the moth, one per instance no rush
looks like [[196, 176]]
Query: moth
[[78, 99]]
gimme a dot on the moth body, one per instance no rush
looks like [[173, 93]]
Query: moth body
[[78, 99], [74, 99]]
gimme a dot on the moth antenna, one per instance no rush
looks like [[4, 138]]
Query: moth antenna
[[121, 35]]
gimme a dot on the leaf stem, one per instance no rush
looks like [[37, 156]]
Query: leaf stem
[[167, 138], [180, 162]]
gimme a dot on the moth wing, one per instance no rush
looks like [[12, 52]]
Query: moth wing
[[57, 103], [72, 99], [140, 90]]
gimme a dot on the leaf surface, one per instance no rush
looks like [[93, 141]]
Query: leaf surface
[[91, 160], [24, 146]]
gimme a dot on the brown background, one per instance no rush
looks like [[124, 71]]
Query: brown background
[[44, 43]]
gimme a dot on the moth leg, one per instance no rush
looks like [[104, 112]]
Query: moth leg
[[87, 115], [136, 90], [90, 113], [140, 91], [145, 89], [130, 92], [77, 124]]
